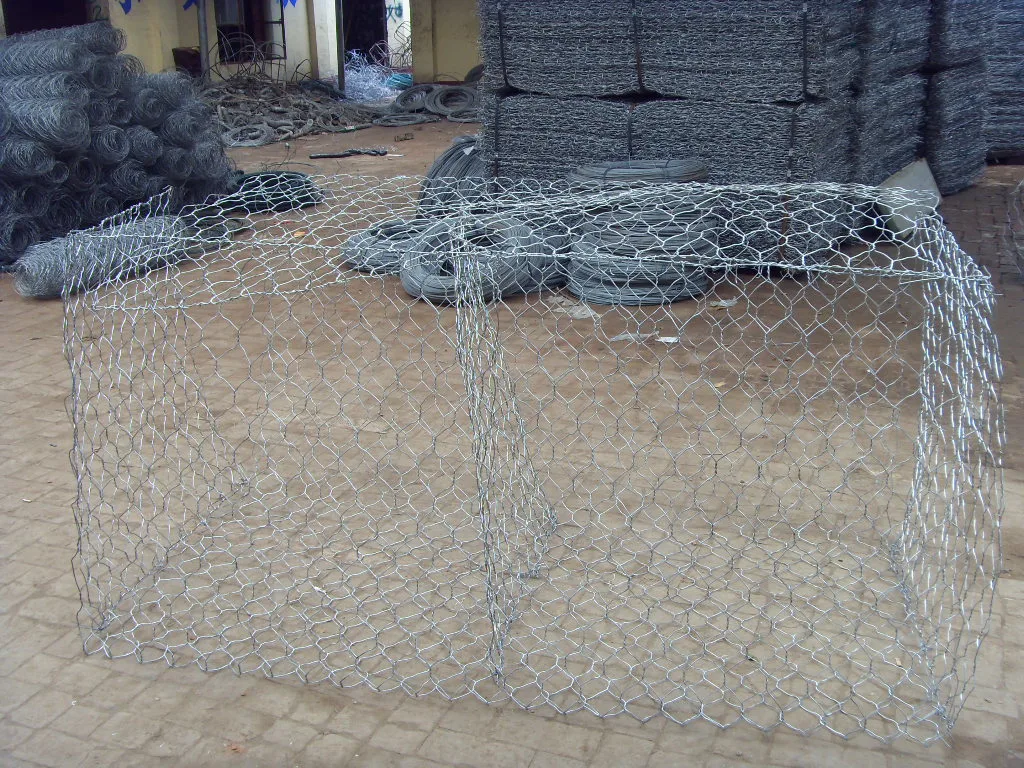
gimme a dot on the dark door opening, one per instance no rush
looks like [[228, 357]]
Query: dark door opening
[[366, 26], [32, 15], [249, 29]]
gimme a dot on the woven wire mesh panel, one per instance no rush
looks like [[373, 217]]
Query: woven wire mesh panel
[[776, 500]]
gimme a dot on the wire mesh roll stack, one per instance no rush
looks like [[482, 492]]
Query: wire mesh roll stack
[[84, 133]]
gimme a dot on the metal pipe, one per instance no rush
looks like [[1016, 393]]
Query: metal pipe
[[339, 18], [204, 39]]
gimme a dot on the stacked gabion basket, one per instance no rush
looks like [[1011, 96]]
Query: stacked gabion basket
[[84, 134], [955, 142], [889, 89], [758, 89], [1004, 126]]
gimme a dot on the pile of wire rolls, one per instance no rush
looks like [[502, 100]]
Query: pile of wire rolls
[[85, 134], [429, 102], [629, 254], [633, 255], [512, 257]]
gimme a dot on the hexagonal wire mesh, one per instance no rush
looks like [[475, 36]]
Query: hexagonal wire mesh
[[775, 501]]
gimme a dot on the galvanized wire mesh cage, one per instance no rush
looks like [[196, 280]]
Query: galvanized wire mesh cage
[[772, 497]]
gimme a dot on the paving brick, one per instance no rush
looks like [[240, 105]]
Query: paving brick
[[618, 749], [42, 708], [81, 720], [314, 708], [328, 751], [571, 741], [463, 749], [16, 693], [127, 730], [290, 734], [399, 738], [52, 749], [357, 721], [550, 760], [171, 741], [12, 734]]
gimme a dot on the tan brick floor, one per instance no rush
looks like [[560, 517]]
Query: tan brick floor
[[61, 708]]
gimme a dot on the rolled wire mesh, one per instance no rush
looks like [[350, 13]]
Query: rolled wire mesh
[[20, 56], [53, 85], [143, 145], [109, 144], [100, 37], [24, 159], [1004, 124], [955, 142], [776, 503], [66, 100], [52, 122]]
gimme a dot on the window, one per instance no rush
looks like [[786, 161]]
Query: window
[[248, 30]]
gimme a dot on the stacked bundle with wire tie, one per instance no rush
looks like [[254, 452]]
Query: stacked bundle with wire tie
[[955, 138], [85, 133]]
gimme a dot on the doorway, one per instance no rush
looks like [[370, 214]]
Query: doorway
[[32, 15]]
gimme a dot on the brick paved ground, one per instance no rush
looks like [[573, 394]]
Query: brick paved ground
[[60, 708]]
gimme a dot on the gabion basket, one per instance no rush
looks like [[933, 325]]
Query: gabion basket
[[775, 500]]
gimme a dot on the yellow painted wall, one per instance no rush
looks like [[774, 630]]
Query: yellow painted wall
[[151, 28], [445, 39]]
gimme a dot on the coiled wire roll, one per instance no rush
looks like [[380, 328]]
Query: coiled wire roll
[[99, 37], [62, 216], [458, 175], [639, 172], [510, 256], [382, 248], [24, 159], [635, 255], [60, 126], [50, 85], [128, 181], [446, 99], [109, 144], [83, 173], [271, 191], [175, 163], [57, 175], [22, 56], [143, 145], [105, 77], [414, 99], [33, 199], [19, 231], [181, 128]]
